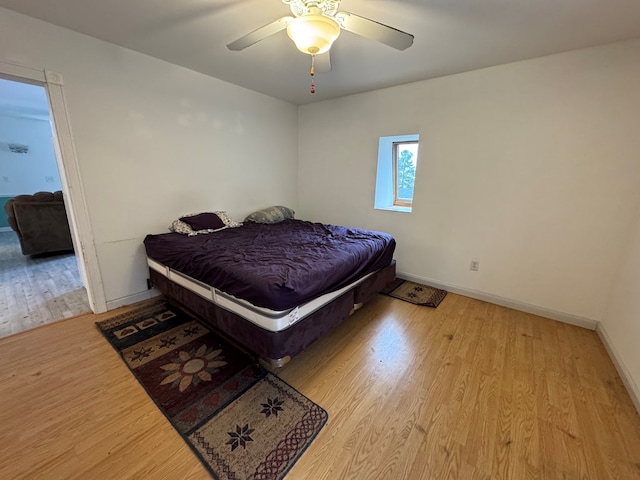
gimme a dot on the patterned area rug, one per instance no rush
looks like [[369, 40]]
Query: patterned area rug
[[242, 422], [415, 293]]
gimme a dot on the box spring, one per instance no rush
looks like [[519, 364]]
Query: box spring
[[275, 347]]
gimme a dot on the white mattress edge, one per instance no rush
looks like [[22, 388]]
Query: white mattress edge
[[272, 320]]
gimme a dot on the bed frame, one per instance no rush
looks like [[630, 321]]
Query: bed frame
[[274, 347]]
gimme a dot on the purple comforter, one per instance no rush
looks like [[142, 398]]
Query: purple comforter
[[279, 265]]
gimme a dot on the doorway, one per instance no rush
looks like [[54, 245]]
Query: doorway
[[43, 288], [31, 294]]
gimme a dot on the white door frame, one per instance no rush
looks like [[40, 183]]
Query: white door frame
[[71, 180]]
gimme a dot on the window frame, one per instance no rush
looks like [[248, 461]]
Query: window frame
[[395, 149]]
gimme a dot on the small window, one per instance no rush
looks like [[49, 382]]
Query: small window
[[405, 155], [396, 176]]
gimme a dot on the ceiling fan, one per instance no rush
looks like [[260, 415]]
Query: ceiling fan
[[316, 24]]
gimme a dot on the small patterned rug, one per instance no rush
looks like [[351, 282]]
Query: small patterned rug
[[415, 293], [241, 421]]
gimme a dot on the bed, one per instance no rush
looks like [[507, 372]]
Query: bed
[[273, 288]]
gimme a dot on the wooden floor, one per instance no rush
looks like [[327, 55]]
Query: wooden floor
[[35, 290], [469, 390]]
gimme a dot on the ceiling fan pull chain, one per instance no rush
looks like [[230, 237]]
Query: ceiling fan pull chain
[[313, 72]]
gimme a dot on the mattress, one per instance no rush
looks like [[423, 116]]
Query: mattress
[[278, 267]]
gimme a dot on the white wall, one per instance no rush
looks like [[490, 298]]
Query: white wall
[[621, 323], [531, 168], [155, 141], [25, 173]]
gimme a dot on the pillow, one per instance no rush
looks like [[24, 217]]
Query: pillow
[[273, 214], [206, 222]]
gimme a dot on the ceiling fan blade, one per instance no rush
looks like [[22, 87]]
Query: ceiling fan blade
[[323, 63], [374, 30], [259, 34]]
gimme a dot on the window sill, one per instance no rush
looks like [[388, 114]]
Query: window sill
[[395, 209]]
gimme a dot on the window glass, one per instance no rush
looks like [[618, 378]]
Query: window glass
[[405, 156]]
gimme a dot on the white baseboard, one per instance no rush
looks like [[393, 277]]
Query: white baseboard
[[506, 302], [626, 377], [5, 229], [135, 298]]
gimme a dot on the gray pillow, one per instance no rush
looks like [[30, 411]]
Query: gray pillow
[[273, 214]]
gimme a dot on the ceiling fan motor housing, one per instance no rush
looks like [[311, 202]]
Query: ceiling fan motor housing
[[301, 7]]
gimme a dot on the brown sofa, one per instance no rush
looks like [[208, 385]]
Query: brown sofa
[[40, 220]]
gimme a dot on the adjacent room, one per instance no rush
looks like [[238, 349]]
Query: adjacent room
[[516, 192]]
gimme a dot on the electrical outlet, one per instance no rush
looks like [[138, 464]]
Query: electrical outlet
[[48, 179], [475, 265]]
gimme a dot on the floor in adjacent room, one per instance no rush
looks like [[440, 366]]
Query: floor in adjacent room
[[36, 290]]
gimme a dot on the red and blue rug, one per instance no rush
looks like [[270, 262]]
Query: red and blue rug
[[241, 421]]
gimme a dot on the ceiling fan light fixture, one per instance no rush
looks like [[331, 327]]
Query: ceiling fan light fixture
[[313, 34]]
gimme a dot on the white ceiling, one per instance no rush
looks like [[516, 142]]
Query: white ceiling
[[451, 36]]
